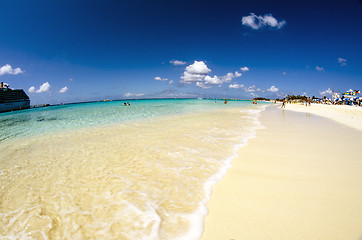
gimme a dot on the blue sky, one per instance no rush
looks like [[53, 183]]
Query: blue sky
[[69, 51]]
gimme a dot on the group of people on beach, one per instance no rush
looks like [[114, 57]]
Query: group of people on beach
[[307, 102], [126, 104]]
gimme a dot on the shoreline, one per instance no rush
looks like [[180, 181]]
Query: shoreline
[[300, 186]]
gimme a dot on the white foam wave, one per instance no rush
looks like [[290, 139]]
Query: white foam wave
[[197, 218]]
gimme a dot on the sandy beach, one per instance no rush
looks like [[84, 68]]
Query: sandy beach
[[348, 115], [300, 178]]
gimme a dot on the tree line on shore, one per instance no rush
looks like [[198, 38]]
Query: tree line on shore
[[288, 98]]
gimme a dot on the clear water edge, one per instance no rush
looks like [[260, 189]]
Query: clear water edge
[[198, 215], [58, 118]]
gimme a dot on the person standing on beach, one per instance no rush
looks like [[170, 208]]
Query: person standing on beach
[[283, 104]]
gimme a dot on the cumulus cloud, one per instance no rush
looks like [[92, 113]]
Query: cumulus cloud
[[189, 77], [228, 77], [177, 62], [244, 69], [198, 67], [202, 85], [45, 87], [160, 79], [273, 89], [257, 22], [321, 69], [213, 80], [198, 73], [32, 89], [195, 72], [236, 85], [17, 71], [237, 74], [63, 90], [8, 69], [170, 82], [342, 62], [326, 92]]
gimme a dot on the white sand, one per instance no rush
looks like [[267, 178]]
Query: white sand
[[301, 178], [348, 115]]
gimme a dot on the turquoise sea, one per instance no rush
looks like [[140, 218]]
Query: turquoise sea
[[52, 119], [102, 170]]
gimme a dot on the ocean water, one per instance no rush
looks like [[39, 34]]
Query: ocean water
[[108, 171]]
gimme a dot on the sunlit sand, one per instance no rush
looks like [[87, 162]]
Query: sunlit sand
[[301, 178]]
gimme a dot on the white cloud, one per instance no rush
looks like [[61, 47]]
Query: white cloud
[[237, 74], [284, 73], [203, 85], [160, 79], [326, 92], [244, 69], [45, 87], [170, 82], [273, 89], [7, 69], [195, 72], [213, 80], [228, 77], [250, 89], [198, 67], [321, 69], [17, 71], [342, 62], [133, 94], [236, 85], [189, 77], [63, 90], [198, 73], [32, 89], [250, 21], [257, 22], [177, 62]]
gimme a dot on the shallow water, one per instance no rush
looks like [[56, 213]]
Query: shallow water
[[54, 119], [148, 178]]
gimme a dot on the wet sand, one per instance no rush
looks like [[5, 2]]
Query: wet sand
[[301, 178]]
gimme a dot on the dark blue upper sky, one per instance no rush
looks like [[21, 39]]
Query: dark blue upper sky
[[94, 50]]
